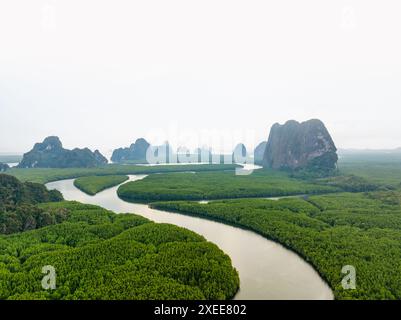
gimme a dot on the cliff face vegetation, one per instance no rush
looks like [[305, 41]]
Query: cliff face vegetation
[[51, 154], [301, 146]]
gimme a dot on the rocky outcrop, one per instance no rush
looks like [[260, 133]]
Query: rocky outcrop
[[136, 152], [259, 152], [4, 167], [307, 145], [51, 154]]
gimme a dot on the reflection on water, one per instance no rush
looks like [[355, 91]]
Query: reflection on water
[[267, 270]]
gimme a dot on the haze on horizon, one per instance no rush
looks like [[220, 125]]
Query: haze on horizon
[[102, 74]]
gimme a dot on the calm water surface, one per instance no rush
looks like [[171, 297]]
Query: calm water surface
[[267, 270]]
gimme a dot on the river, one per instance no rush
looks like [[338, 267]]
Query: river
[[267, 270]]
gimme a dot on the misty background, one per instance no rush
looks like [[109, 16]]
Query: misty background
[[104, 73]]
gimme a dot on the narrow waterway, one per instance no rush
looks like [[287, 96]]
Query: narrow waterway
[[267, 270]]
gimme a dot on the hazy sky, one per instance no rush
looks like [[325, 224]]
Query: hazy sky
[[103, 73]]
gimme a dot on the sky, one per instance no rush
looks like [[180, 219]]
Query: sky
[[213, 72]]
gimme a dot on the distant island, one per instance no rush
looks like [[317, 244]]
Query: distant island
[[136, 152], [294, 146], [259, 152], [51, 154], [305, 147]]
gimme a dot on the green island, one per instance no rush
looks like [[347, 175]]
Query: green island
[[98, 254], [219, 185], [94, 184]]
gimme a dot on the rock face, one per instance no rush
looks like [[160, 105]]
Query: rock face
[[259, 152], [4, 167], [136, 152], [307, 145], [51, 154]]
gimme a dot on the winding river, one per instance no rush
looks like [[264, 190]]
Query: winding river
[[267, 270]]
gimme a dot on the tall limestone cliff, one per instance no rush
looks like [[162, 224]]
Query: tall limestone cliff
[[259, 152], [296, 146], [136, 152], [51, 154]]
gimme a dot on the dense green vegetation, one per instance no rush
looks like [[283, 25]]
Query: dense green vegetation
[[351, 183], [95, 184], [217, 185], [41, 175], [15, 193], [329, 231], [100, 255], [386, 173], [128, 257], [28, 217], [18, 210]]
